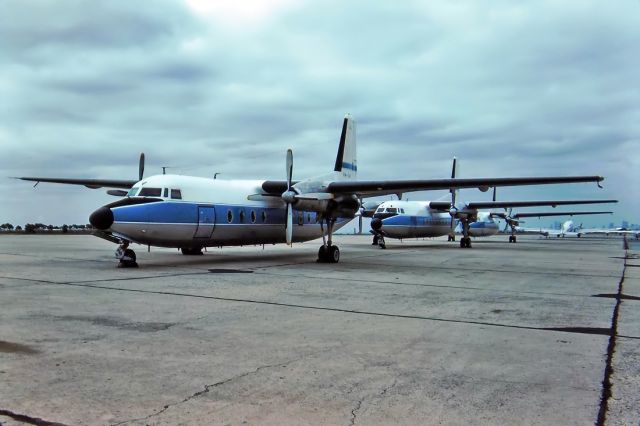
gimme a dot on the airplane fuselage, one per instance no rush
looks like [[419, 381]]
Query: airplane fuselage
[[185, 211], [411, 219]]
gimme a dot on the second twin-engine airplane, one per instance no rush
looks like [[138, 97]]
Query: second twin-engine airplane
[[418, 219], [193, 212]]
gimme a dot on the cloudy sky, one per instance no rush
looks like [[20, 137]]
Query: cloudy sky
[[510, 88]]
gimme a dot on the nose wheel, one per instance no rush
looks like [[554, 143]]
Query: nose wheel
[[126, 256], [512, 238]]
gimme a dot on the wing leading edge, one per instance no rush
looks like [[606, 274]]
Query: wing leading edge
[[89, 183], [385, 187]]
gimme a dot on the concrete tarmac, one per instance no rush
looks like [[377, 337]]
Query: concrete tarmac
[[542, 332]]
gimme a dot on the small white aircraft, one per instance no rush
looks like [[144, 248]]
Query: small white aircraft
[[418, 219], [192, 212], [567, 229]]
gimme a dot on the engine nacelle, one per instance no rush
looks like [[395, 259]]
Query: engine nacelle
[[343, 206]]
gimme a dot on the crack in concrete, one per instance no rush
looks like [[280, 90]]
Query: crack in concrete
[[354, 412], [611, 349], [24, 418], [203, 391]]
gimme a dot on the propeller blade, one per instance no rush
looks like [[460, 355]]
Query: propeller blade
[[289, 168], [289, 223], [141, 166]]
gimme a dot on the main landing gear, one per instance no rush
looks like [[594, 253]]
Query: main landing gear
[[465, 241], [328, 253], [126, 256], [451, 237], [512, 238]]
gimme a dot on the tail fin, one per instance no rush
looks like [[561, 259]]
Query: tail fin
[[346, 161]]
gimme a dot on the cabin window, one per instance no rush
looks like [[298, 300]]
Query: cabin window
[[241, 216], [166, 193], [229, 216], [253, 216], [308, 217], [132, 192], [300, 218], [264, 216], [176, 194], [150, 192]]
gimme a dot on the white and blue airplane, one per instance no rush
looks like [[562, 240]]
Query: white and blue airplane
[[419, 219], [190, 213]]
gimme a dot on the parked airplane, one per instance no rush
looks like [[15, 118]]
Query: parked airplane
[[193, 212], [513, 222], [417, 219], [569, 229]]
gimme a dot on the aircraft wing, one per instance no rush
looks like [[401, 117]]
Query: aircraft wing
[[376, 188], [544, 214], [553, 203], [89, 183]]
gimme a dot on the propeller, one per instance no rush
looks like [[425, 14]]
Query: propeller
[[452, 209], [289, 197], [141, 166]]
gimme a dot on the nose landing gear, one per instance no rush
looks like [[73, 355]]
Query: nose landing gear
[[126, 256]]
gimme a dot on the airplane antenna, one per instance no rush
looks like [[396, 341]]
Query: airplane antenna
[[216, 174]]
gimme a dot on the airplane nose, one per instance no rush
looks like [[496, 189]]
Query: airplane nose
[[376, 224], [102, 218]]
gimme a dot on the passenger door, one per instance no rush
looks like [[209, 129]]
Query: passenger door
[[206, 222]]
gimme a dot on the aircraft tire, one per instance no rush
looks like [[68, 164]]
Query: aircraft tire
[[334, 254], [514, 238], [468, 242], [463, 242], [322, 254]]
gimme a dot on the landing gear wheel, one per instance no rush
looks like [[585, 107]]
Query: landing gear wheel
[[375, 240], [465, 242], [190, 251], [128, 260], [334, 254], [322, 254], [381, 243], [512, 239], [468, 244]]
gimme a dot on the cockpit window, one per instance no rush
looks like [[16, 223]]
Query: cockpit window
[[166, 193], [150, 192], [392, 210], [176, 194], [132, 192]]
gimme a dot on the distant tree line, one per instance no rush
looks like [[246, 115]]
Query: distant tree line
[[39, 228]]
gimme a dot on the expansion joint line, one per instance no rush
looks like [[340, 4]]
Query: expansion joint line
[[611, 349]]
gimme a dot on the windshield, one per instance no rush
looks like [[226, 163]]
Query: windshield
[[132, 192]]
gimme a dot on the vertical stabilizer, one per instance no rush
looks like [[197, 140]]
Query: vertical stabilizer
[[346, 161]]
